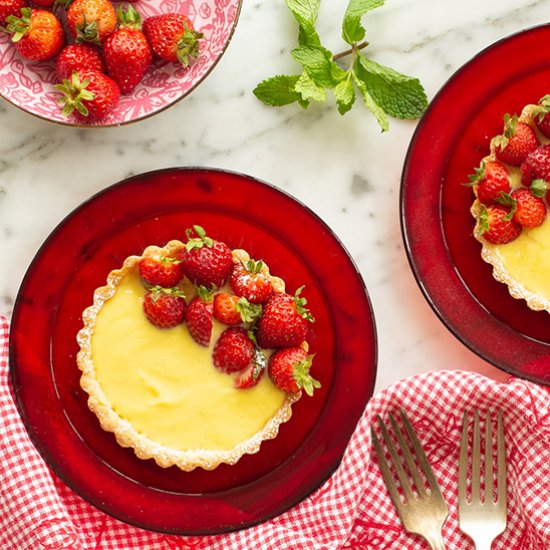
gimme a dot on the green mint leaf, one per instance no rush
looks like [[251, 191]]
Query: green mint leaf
[[398, 95], [344, 92], [371, 104], [278, 90], [305, 12], [318, 63], [352, 30], [309, 90]]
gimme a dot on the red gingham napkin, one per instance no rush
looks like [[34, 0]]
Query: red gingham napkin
[[351, 510]]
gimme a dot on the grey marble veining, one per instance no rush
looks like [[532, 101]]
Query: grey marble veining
[[343, 168]]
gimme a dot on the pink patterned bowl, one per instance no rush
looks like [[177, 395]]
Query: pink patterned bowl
[[29, 84]]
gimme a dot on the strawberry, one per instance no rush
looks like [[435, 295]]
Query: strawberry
[[517, 141], [11, 7], [289, 370], [284, 321], [248, 377], [536, 165], [497, 225], [126, 51], [199, 317], [528, 208], [206, 262], [91, 95], [248, 280], [541, 116], [164, 272], [172, 37], [91, 20], [77, 57], [234, 350], [165, 308], [233, 310], [491, 180], [37, 34]]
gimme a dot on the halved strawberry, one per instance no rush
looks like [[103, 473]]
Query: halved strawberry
[[516, 142], [250, 281], [199, 317], [289, 370], [205, 261], [163, 271], [165, 308], [284, 321], [234, 350]]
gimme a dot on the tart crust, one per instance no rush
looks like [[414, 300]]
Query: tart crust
[[125, 433], [491, 255]]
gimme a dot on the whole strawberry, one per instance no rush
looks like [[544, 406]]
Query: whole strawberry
[[517, 141], [206, 262], [289, 370], [126, 51], [11, 7], [77, 57], [233, 310], [172, 37], [251, 375], [250, 281], [528, 207], [541, 116], [284, 321], [536, 165], [163, 272], [90, 95], [165, 308], [233, 351], [37, 34], [497, 225], [91, 20], [199, 317], [491, 180]]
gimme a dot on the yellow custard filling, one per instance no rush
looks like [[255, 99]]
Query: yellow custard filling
[[527, 259], [165, 385], [523, 264]]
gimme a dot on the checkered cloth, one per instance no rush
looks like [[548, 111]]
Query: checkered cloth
[[352, 510]]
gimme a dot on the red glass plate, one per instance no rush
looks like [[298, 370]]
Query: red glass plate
[[154, 208], [449, 143]]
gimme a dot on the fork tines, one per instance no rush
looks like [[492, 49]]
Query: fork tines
[[482, 518], [422, 512]]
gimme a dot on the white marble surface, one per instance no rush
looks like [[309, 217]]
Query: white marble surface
[[341, 167]]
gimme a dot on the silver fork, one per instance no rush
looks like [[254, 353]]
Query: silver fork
[[483, 520], [424, 512]]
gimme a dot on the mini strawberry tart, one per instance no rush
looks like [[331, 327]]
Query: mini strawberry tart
[[193, 354], [511, 188]]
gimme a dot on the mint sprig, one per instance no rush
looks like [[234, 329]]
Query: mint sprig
[[385, 92]]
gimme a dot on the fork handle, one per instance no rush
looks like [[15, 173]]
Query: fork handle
[[435, 540]]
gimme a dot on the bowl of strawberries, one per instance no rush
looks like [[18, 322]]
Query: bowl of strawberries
[[97, 63]]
